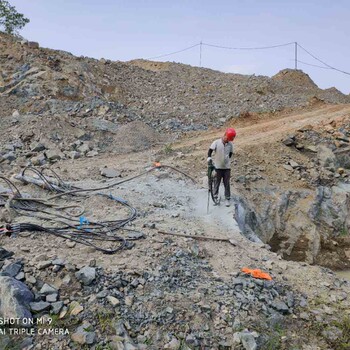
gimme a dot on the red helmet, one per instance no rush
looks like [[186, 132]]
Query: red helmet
[[230, 134]]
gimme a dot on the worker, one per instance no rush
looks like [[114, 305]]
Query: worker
[[223, 151]]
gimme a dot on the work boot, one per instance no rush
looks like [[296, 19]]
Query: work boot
[[227, 202], [216, 201]]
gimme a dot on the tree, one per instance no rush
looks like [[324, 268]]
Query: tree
[[10, 19]]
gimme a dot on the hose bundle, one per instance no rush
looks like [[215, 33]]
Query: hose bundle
[[67, 221]]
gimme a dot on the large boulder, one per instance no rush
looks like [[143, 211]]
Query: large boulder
[[86, 275], [14, 299], [326, 157]]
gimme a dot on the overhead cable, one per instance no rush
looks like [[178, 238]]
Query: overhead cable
[[326, 65], [173, 53], [319, 60], [313, 65], [248, 48]]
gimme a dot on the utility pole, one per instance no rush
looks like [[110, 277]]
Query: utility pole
[[200, 54], [296, 54]]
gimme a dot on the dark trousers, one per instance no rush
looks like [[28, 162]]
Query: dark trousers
[[224, 174]]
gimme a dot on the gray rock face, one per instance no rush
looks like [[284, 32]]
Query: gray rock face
[[20, 276], [249, 222], [247, 340], [110, 173], [326, 157], [289, 141], [285, 224], [53, 155], [83, 336], [332, 206], [38, 147], [56, 307], [12, 269], [47, 289], [86, 275], [51, 298], [280, 306], [74, 155], [39, 306], [59, 262], [311, 148], [104, 125], [84, 148], [9, 156], [38, 160], [15, 298], [44, 264]]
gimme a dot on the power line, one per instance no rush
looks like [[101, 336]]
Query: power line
[[200, 44], [173, 53], [326, 64], [248, 48], [313, 65]]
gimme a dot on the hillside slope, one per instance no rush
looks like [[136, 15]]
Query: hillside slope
[[168, 96], [85, 123]]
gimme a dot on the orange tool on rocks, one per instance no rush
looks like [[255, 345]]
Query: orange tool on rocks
[[257, 273]]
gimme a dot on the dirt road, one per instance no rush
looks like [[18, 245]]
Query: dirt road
[[256, 130]]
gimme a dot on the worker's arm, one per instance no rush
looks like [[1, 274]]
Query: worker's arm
[[231, 153], [210, 151]]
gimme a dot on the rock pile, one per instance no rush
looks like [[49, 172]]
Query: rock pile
[[40, 141], [167, 96], [178, 302], [57, 106], [327, 147]]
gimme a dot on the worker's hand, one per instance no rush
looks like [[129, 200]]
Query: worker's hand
[[209, 159]]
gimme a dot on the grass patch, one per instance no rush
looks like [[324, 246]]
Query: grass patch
[[168, 149], [341, 342], [344, 232], [106, 320], [274, 341]]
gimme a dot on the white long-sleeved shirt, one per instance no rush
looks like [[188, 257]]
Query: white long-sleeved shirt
[[222, 154]]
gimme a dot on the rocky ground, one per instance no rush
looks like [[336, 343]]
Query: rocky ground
[[96, 123], [172, 292]]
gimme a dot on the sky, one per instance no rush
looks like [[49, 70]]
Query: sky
[[123, 30]]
